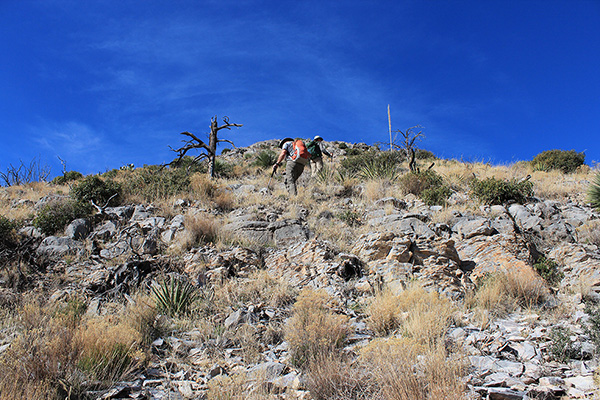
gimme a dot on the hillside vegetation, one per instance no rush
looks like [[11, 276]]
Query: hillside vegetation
[[455, 280]]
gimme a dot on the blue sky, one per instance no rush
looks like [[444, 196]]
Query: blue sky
[[105, 83]]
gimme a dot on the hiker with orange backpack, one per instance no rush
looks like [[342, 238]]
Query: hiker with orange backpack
[[297, 157]]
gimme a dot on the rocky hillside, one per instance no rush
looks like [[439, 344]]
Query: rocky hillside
[[356, 289]]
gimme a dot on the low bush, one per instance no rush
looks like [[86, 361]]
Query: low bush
[[265, 159], [499, 191], [561, 348], [68, 176], [428, 185], [594, 192], [436, 196], [372, 162], [562, 160], [153, 183], [313, 329], [8, 234], [549, 270], [56, 215], [100, 191]]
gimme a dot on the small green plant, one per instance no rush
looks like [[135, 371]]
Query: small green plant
[[265, 159], [436, 195], [562, 160], [378, 168], [418, 182], [592, 328], [100, 191], [174, 296], [561, 348], [549, 270], [499, 191], [372, 160], [594, 192], [350, 217], [153, 183], [67, 177], [55, 216], [8, 232]]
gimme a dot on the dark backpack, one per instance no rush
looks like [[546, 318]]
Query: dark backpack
[[314, 149]]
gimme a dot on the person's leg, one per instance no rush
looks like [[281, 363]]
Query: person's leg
[[297, 170], [318, 166], [290, 179]]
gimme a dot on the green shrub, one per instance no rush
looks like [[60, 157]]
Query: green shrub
[[8, 232], [498, 191], [418, 182], [549, 270], [561, 348], [436, 195], [342, 146], [562, 160], [67, 177], [93, 188], [174, 296], [592, 328], [350, 217], [421, 154], [56, 215], [265, 159], [154, 183], [594, 192], [372, 160]]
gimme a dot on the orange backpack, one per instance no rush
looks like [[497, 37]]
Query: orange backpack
[[301, 153]]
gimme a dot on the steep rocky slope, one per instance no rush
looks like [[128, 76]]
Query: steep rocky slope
[[248, 264]]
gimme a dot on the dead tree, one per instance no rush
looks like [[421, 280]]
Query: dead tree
[[210, 148], [407, 144]]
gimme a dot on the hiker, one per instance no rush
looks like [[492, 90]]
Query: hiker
[[296, 155], [316, 155]]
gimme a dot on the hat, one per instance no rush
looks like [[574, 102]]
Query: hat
[[284, 141], [318, 137]]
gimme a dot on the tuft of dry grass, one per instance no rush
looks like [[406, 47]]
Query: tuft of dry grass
[[313, 328], [405, 370], [332, 376], [501, 293], [56, 351], [425, 315], [382, 312], [199, 229], [590, 233]]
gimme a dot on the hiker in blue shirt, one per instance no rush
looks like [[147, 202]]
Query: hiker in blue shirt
[[316, 155], [296, 156]]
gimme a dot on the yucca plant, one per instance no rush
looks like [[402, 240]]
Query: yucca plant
[[174, 296], [594, 192]]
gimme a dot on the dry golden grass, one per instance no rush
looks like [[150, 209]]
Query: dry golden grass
[[590, 232], [405, 370], [199, 229], [425, 315], [314, 329], [331, 376], [502, 293], [382, 312], [238, 387], [55, 351], [376, 189]]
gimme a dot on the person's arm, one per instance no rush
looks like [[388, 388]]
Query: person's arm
[[324, 151], [280, 159]]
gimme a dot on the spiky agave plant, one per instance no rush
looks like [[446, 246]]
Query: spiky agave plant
[[174, 296], [594, 192]]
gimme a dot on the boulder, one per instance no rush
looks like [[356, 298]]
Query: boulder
[[79, 229]]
